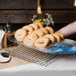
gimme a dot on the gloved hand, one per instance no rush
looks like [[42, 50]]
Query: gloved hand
[[62, 49]]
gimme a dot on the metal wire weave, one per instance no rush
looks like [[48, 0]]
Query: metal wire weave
[[31, 55]]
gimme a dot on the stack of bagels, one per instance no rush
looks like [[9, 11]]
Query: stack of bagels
[[36, 35]]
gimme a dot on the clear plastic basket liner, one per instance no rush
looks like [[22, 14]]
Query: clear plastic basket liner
[[66, 47]]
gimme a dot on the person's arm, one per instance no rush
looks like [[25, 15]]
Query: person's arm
[[68, 30]]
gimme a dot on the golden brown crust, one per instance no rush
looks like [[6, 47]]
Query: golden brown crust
[[38, 24], [51, 37], [42, 42], [29, 29], [61, 35], [50, 29], [58, 38], [35, 27], [39, 33], [30, 40], [25, 39], [20, 34], [44, 30]]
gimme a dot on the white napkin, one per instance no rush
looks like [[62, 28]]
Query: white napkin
[[1, 37]]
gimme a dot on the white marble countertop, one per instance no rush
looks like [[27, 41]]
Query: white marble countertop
[[60, 67], [64, 64]]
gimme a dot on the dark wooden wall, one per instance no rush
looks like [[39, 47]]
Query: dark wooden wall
[[21, 11]]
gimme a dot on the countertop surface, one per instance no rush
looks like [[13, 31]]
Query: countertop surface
[[61, 64]]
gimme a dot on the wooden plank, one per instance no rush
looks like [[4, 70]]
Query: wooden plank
[[32, 4], [23, 16]]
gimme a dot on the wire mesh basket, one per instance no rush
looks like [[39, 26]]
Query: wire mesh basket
[[31, 55]]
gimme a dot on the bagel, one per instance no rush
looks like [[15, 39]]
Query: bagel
[[34, 26], [50, 29], [25, 39], [20, 34], [39, 33], [29, 29], [38, 24], [30, 40], [61, 35], [42, 42], [44, 30], [51, 37], [57, 37]]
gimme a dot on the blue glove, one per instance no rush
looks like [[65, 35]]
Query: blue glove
[[62, 49]]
